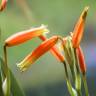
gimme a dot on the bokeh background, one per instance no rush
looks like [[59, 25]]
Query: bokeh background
[[46, 76]]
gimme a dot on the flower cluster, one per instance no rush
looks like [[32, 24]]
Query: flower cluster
[[73, 55]]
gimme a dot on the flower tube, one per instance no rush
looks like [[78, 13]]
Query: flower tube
[[54, 50], [24, 36], [81, 60], [79, 28], [39, 51]]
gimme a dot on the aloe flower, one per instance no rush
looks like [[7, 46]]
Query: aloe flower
[[54, 50], [81, 60], [24, 36], [3, 4], [79, 29], [39, 51]]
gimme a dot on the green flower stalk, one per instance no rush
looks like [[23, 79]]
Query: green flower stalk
[[6, 83]]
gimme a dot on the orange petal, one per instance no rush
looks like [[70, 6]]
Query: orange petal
[[57, 54], [54, 50], [79, 28], [81, 60], [3, 4], [23, 36], [42, 37], [39, 51]]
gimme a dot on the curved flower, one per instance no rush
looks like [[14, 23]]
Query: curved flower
[[39, 51], [23, 36], [54, 50], [3, 4], [79, 28], [81, 60]]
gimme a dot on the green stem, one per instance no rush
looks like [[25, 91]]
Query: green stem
[[85, 85], [79, 93], [1, 91], [78, 77], [70, 89], [78, 85], [5, 60], [7, 72]]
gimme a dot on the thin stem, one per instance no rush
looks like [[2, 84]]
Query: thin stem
[[70, 50], [78, 77], [68, 81], [70, 88], [79, 93], [66, 73], [1, 90], [7, 72], [85, 85], [5, 59]]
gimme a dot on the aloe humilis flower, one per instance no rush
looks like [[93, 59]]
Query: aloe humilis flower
[[79, 28], [23, 36], [81, 60], [54, 50], [3, 4], [39, 51]]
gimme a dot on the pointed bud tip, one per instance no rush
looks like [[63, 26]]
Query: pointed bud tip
[[86, 8], [85, 12], [3, 5]]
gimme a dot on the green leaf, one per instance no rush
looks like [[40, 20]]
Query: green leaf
[[78, 82], [78, 75], [85, 85], [5, 78], [15, 87], [1, 91], [72, 57], [3, 71], [69, 85], [71, 89]]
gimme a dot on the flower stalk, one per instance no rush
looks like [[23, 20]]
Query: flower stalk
[[78, 75], [6, 83], [69, 85], [85, 85]]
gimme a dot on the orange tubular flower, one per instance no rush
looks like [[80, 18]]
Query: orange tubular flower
[[3, 4], [22, 37], [39, 51], [81, 60], [79, 29], [54, 50]]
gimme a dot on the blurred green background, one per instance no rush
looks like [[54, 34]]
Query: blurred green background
[[46, 76]]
